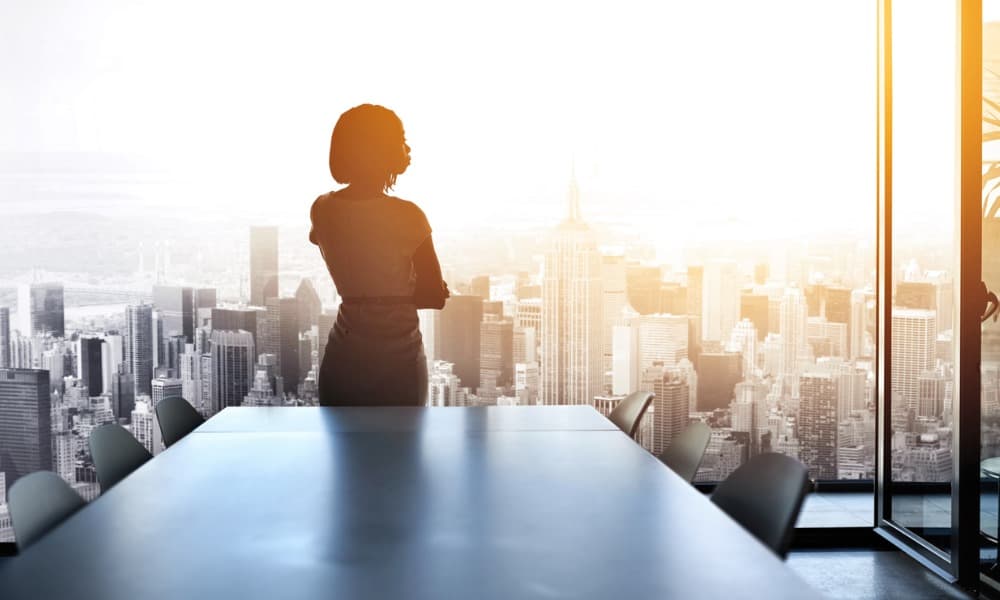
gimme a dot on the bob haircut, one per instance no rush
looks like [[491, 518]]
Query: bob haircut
[[368, 145]]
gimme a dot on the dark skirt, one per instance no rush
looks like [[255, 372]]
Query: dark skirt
[[373, 363]]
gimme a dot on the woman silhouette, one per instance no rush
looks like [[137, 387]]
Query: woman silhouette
[[379, 252]]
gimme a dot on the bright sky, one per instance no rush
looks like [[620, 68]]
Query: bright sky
[[674, 112]]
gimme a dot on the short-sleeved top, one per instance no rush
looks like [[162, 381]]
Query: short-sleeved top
[[368, 244]]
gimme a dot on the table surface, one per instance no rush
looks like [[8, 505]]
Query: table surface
[[420, 512]]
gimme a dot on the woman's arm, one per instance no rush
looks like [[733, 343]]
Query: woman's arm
[[431, 290]]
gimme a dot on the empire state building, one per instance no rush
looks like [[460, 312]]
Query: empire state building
[[572, 312]]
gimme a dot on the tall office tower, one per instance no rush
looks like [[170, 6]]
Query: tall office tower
[[695, 289], [25, 423], [852, 390], [525, 345], [750, 413], [720, 301], [528, 313], [480, 286], [266, 389], [496, 354], [828, 336], [190, 375], [40, 309], [430, 332], [914, 334], [263, 264], [122, 394], [670, 403], [177, 311], [642, 285], [818, 424], [232, 367], [755, 308], [460, 320], [815, 295], [90, 365], [673, 298], [139, 346], [652, 339], [744, 340], [4, 337], [305, 353], [206, 298], [859, 324], [207, 403], [444, 385], [718, 374], [915, 294], [281, 338], [526, 383], [144, 425], [236, 319], [572, 313], [760, 273], [493, 307], [614, 307], [112, 358], [793, 331], [164, 388], [309, 304], [64, 454], [326, 322], [838, 305], [171, 349], [931, 386]]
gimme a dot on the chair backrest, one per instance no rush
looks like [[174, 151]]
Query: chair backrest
[[116, 454], [37, 503], [177, 418], [628, 413], [685, 452], [765, 496]]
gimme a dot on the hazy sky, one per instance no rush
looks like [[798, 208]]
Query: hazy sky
[[674, 112]]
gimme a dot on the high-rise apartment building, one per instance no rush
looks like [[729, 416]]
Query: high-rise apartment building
[[40, 309], [25, 423], [263, 264], [139, 346], [572, 313]]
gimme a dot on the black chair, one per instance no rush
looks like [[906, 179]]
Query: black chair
[[765, 496], [687, 449], [177, 418], [37, 503], [116, 454], [628, 413]]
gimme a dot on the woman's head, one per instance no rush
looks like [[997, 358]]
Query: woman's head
[[368, 147]]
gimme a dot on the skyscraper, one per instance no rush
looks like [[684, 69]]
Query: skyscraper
[[281, 338], [139, 346], [263, 264], [40, 309], [793, 330], [309, 304], [720, 300], [90, 365], [670, 403], [164, 388], [818, 424], [177, 311], [614, 306], [718, 374], [25, 423], [4, 337], [232, 367], [572, 313], [914, 333], [236, 319], [496, 355], [460, 320], [755, 308]]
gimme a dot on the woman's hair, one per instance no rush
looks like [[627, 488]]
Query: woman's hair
[[368, 144]]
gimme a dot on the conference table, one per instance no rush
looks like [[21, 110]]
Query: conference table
[[414, 503]]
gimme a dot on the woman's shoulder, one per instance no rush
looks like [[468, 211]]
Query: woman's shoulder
[[407, 206]]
